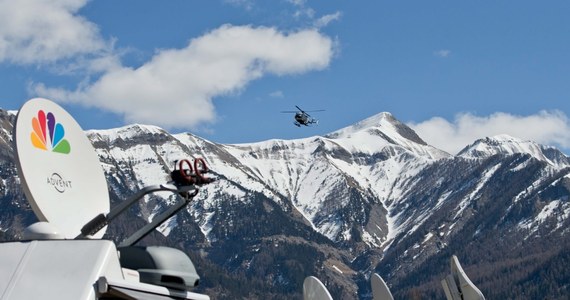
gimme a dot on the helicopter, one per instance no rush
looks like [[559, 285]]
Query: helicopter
[[302, 117]]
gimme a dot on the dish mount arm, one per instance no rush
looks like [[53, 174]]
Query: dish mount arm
[[186, 182], [102, 220]]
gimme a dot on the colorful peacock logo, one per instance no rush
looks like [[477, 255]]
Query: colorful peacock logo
[[48, 135]]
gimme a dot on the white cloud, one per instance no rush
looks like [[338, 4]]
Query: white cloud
[[277, 94], [304, 13], [247, 4], [326, 19], [42, 31], [442, 53], [175, 88], [544, 127], [297, 2]]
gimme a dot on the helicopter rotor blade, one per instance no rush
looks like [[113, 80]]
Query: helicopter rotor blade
[[304, 112]]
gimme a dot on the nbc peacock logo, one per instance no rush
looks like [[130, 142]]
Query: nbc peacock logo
[[49, 135]]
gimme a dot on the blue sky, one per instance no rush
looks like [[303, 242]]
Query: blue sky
[[225, 69]]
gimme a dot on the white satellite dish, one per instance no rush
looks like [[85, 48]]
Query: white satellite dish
[[314, 289], [60, 171], [380, 290], [458, 286]]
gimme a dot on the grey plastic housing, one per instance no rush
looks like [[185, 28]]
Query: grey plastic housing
[[164, 266]]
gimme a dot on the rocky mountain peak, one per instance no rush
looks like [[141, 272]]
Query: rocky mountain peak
[[508, 145], [384, 121], [125, 133], [384, 128]]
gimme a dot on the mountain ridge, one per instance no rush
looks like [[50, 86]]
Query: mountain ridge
[[362, 200], [505, 144]]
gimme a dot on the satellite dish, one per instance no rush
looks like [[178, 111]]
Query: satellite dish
[[458, 286], [314, 289], [60, 172], [380, 290]]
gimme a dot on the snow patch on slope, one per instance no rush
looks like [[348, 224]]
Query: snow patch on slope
[[556, 209], [473, 195]]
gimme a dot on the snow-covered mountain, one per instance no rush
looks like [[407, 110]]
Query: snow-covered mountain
[[369, 197], [508, 145]]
